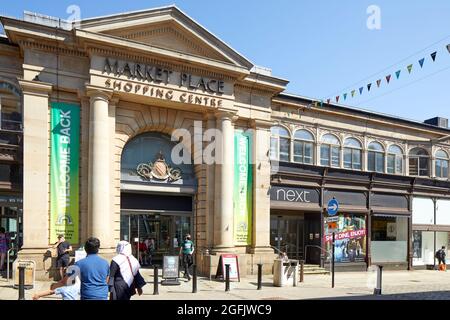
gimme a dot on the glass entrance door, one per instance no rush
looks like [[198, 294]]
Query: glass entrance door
[[286, 234], [153, 235]]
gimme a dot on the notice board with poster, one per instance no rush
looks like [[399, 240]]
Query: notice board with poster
[[232, 260]]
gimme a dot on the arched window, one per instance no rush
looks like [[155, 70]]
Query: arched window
[[442, 161], [329, 151], [303, 147], [375, 157], [419, 162], [352, 154], [279, 144], [395, 160]]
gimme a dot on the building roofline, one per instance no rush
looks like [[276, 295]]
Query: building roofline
[[176, 10], [363, 111]]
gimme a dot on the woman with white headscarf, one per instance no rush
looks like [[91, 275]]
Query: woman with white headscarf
[[124, 276]]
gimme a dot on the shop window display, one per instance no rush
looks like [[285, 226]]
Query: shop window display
[[350, 239], [389, 239]]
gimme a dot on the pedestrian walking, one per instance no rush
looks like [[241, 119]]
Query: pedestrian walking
[[186, 251], [440, 255], [94, 273], [63, 249], [125, 279], [4, 246]]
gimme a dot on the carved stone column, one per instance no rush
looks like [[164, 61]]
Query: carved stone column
[[224, 175], [99, 203]]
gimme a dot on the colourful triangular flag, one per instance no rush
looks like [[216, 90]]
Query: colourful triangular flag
[[378, 83], [421, 61], [337, 98], [409, 68], [433, 56], [353, 93], [397, 73], [388, 78], [361, 90], [369, 86], [328, 101], [345, 96]]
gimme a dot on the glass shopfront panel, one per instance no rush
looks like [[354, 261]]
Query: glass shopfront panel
[[424, 248], [350, 238], [423, 211], [443, 212], [164, 232], [389, 239]]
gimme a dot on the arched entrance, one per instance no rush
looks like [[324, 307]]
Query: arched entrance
[[156, 201]]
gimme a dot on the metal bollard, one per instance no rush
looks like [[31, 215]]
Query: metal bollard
[[21, 282], [155, 281], [227, 277], [377, 290], [260, 265], [194, 278], [302, 269]]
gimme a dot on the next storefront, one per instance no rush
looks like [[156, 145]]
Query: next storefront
[[372, 227]]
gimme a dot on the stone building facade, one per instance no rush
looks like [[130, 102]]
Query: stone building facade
[[137, 80]]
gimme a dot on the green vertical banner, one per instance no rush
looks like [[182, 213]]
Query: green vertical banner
[[243, 191], [64, 171]]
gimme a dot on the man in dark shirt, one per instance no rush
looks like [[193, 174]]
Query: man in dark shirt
[[63, 249]]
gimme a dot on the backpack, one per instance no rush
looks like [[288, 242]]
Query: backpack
[[438, 254]]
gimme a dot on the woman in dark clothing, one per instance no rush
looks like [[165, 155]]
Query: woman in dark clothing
[[124, 276]]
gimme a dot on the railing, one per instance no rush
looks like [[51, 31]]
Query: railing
[[7, 263], [328, 252]]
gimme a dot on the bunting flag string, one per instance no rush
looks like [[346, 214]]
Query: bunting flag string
[[388, 77], [421, 61], [378, 83], [433, 56], [409, 67]]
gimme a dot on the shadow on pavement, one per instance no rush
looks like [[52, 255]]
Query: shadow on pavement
[[425, 295]]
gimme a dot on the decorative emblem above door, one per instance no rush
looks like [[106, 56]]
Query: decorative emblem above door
[[159, 170]]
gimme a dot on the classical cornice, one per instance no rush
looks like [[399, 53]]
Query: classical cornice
[[165, 14], [261, 124], [99, 92], [254, 89], [92, 40], [36, 87], [51, 47]]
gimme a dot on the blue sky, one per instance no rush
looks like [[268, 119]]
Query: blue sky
[[323, 47]]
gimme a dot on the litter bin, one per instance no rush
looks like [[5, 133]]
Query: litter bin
[[285, 272]]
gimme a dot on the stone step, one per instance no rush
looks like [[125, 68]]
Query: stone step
[[314, 269]]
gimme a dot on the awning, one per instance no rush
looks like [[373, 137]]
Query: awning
[[391, 213]]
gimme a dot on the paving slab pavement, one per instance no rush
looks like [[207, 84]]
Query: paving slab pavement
[[419, 284]]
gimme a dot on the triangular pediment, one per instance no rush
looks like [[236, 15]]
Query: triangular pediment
[[167, 28], [169, 36]]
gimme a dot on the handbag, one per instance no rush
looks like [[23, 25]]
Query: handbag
[[133, 285]]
